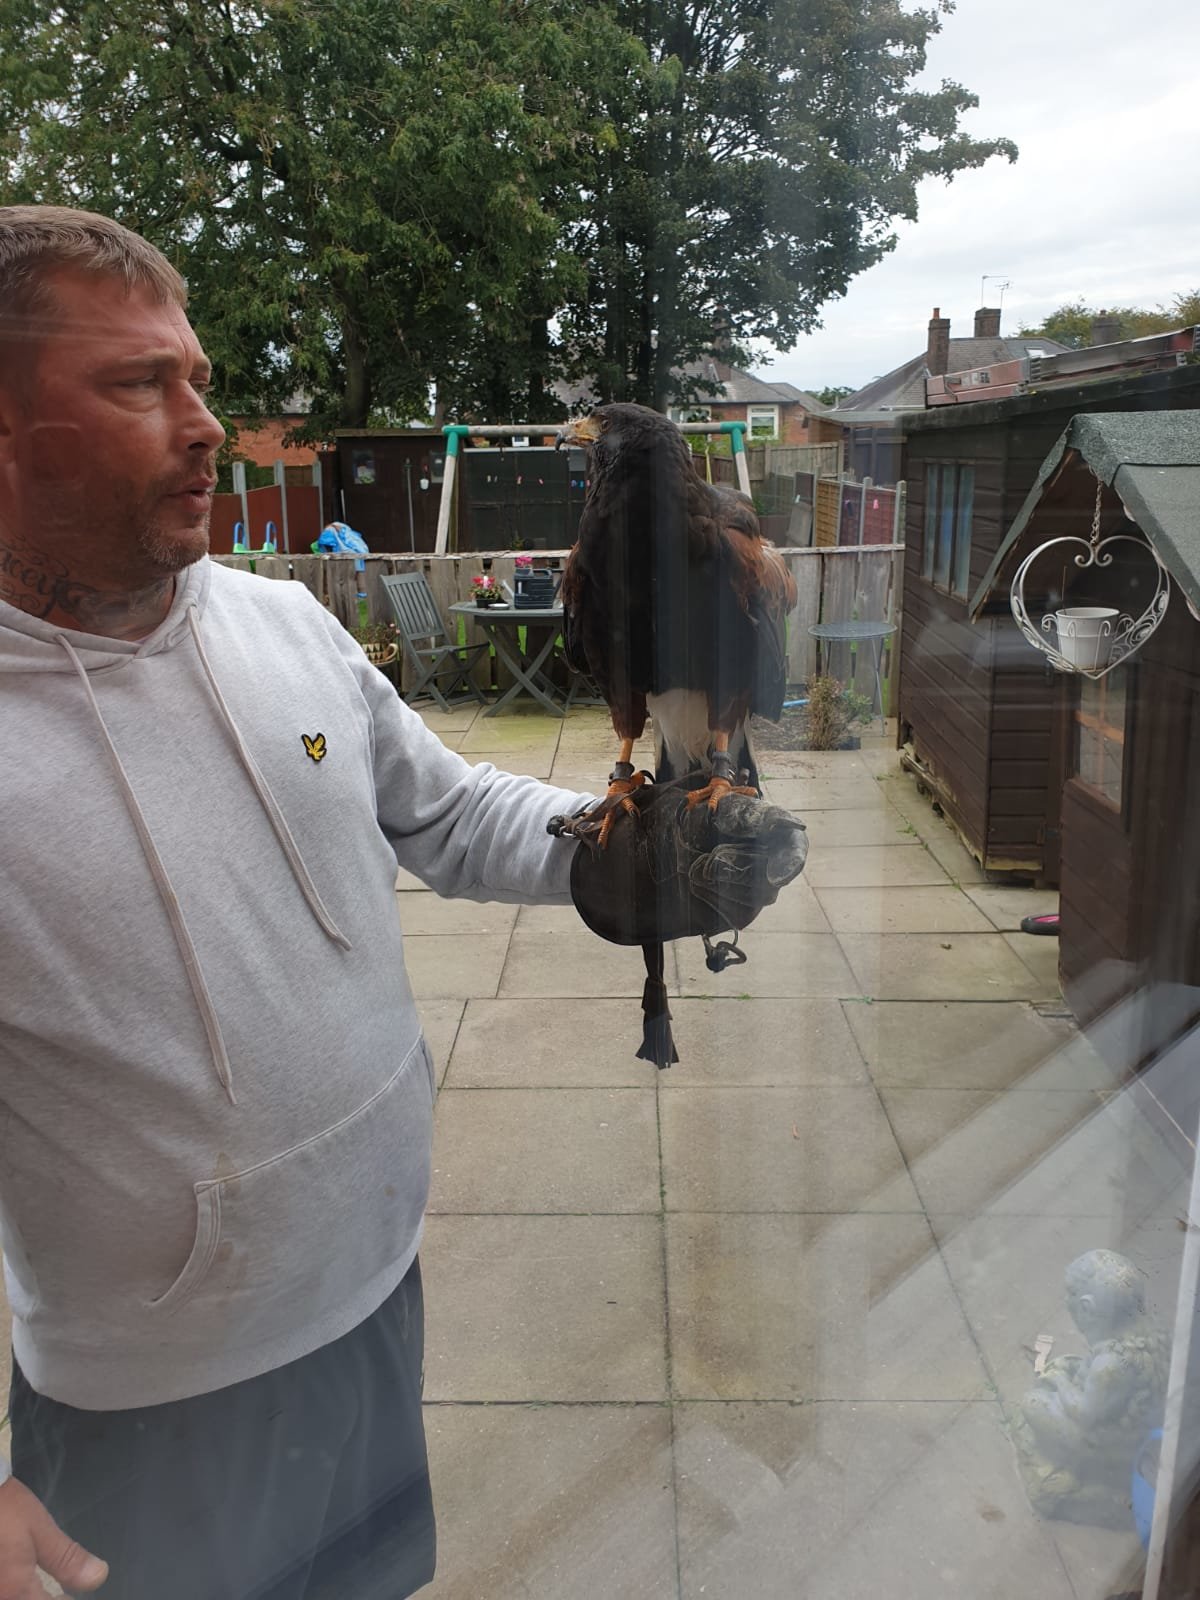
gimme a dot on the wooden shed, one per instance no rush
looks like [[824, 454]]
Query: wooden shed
[[977, 709], [1129, 872]]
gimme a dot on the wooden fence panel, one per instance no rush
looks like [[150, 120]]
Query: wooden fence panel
[[833, 585], [829, 504], [310, 570], [802, 647]]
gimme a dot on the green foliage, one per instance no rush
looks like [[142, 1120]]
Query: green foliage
[[376, 204], [1071, 323], [832, 393], [760, 161], [832, 709]]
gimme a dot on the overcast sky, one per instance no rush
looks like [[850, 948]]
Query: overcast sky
[[1102, 98]]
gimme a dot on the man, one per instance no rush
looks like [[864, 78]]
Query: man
[[215, 1100]]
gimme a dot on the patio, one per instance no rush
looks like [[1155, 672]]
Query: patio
[[745, 1328]]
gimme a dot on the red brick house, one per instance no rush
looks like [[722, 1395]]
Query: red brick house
[[777, 411]]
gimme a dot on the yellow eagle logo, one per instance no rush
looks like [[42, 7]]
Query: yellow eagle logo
[[314, 747]]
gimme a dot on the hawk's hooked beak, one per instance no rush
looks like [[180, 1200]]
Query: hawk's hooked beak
[[580, 431]]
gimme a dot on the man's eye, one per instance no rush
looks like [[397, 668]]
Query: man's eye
[[139, 383]]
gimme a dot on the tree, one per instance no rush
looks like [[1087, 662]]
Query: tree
[[832, 393], [353, 189], [1072, 323], [375, 200], [760, 162]]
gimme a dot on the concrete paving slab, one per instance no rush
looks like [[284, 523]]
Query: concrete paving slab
[[931, 966], [1100, 1562], [739, 1149], [575, 963], [972, 1044], [797, 910], [1029, 1153], [871, 1501], [934, 909], [781, 965], [544, 1308], [1040, 955], [787, 1307], [441, 1020], [530, 764], [870, 867], [430, 913], [511, 735], [458, 720], [863, 825], [552, 1502], [549, 1150], [455, 966], [1004, 906], [564, 1044], [748, 1043], [409, 883], [803, 795], [948, 850]]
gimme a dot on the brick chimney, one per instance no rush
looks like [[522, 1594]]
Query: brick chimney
[[1106, 329], [937, 353], [987, 322]]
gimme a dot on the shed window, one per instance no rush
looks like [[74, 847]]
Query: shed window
[[1100, 735], [763, 421], [949, 500]]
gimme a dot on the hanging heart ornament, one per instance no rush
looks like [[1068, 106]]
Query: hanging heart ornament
[[1091, 640]]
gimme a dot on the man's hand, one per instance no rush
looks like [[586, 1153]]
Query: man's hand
[[30, 1538]]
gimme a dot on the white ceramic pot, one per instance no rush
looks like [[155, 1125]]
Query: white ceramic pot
[[1085, 635]]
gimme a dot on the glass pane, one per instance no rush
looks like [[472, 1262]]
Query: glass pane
[[962, 531], [945, 529], [1089, 761], [1114, 761], [929, 546], [1114, 699]]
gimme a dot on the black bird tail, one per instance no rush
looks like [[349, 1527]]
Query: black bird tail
[[658, 1045]]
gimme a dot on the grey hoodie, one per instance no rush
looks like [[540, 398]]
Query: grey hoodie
[[215, 1099]]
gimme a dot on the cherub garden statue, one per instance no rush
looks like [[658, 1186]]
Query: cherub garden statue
[[1079, 1428]]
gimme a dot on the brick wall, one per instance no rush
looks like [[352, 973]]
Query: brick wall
[[260, 439]]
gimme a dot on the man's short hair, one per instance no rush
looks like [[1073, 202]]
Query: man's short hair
[[38, 241]]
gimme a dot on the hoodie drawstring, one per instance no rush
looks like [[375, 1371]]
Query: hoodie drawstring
[[170, 900], [158, 871], [268, 802]]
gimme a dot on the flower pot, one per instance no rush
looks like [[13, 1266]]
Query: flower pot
[[1085, 635], [380, 655]]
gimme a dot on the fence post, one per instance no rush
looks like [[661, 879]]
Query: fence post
[[280, 474], [867, 484]]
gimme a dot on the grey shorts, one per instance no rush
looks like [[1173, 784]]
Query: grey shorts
[[307, 1483]]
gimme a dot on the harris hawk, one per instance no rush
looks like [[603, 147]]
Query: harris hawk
[[676, 606]]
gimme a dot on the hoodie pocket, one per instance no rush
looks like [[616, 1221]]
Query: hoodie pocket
[[292, 1237]]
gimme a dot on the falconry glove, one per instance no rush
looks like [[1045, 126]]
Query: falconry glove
[[673, 871]]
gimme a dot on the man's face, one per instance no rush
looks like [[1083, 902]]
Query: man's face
[[107, 453]]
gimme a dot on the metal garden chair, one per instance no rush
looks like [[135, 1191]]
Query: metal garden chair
[[441, 666]]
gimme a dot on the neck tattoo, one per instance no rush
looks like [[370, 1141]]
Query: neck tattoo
[[37, 583]]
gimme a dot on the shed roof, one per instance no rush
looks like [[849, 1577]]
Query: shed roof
[[1151, 460]]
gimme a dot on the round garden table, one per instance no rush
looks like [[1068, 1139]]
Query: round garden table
[[870, 633]]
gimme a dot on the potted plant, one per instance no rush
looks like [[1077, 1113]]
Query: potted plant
[[379, 641], [485, 591]]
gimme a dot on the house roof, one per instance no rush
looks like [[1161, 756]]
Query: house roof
[[740, 388], [1151, 460], [743, 388], [903, 389]]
